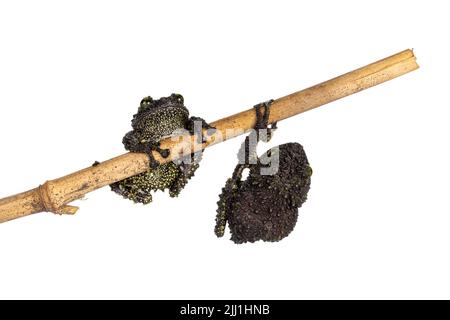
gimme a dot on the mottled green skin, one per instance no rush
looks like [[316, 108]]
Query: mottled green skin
[[156, 120], [138, 188]]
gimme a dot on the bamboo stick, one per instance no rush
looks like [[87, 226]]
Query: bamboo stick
[[54, 195]]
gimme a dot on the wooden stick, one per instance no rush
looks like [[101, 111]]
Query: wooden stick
[[54, 195]]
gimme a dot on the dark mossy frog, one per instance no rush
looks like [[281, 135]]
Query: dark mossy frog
[[265, 207], [154, 121]]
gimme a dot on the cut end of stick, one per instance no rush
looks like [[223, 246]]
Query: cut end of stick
[[66, 209]]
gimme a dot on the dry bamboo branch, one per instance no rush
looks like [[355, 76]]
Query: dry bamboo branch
[[54, 195]]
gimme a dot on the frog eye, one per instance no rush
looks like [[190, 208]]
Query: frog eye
[[146, 101], [178, 97]]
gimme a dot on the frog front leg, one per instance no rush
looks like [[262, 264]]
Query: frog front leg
[[148, 148], [196, 125], [155, 146]]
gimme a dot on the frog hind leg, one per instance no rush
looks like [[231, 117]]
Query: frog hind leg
[[226, 199], [246, 155], [188, 165], [133, 189]]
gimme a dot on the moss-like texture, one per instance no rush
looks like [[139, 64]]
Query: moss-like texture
[[156, 120], [265, 207], [138, 188]]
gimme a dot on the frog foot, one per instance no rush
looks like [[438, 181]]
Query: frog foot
[[262, 120], [148, 149], [195, 129]]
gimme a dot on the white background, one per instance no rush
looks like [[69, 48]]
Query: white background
[[377, 221]]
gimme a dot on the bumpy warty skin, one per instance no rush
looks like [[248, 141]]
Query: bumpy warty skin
[[138, 188], [265, 207], [156, 120]]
